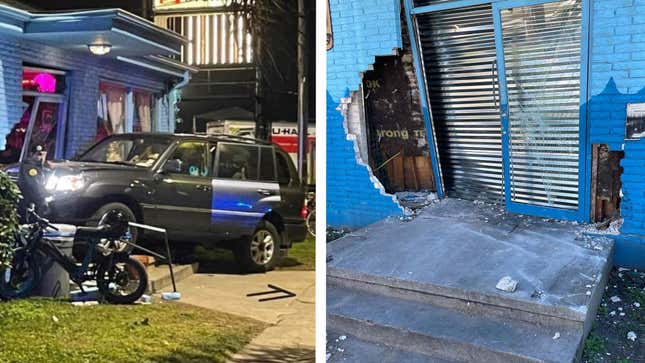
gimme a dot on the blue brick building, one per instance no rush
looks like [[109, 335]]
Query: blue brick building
[[362, 31], [54, 91], [518, 97]]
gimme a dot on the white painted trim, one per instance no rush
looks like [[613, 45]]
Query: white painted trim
[[128, 34], [149, 66]]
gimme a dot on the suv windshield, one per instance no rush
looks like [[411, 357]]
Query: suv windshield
[[133, 150]]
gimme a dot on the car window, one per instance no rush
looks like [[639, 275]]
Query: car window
[[286, 173], [142, 152], [267, 164], [237, 161], [190, 158]]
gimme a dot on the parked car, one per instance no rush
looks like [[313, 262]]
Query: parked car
[[233, 192]]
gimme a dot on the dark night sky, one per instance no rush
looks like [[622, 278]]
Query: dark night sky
[[135, 6]]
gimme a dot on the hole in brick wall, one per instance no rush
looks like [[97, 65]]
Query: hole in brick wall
[[605, 183], [398, 150]]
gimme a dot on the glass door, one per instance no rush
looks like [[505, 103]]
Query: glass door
[[539, 53]]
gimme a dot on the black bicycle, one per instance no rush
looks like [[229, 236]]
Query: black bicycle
[[120, 278]]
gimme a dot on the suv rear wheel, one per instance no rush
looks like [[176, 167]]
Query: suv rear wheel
[[261, 252]]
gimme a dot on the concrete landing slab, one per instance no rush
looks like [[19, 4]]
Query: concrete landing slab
[[461, 249]]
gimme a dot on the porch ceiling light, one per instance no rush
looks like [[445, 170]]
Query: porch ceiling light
[[99, 48]]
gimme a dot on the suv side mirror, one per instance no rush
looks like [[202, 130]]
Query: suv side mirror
[[173, 166]]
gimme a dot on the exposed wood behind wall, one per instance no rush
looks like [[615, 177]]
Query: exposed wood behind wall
[[410, 173], [398, 146], [605, 183]]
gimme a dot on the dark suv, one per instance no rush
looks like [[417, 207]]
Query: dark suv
[[239, 193]]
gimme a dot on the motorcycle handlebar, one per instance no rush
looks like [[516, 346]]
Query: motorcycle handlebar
[[42, 222]]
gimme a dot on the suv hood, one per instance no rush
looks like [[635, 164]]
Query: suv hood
[[71, 167], [80, 166]]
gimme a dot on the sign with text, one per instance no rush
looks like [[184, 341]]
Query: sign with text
[[188, 4]]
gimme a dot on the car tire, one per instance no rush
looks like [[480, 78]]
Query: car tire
[[96, 217], [261, 252]]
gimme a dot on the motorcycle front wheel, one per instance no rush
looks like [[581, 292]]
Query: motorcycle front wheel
[[20, 279], [123, 280]]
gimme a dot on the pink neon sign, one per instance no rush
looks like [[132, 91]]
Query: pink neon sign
[[39, 82]]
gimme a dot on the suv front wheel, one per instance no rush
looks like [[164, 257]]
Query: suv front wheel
[[261, 252], [101, 213]]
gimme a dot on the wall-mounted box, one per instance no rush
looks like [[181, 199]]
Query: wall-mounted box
[[635, 125]]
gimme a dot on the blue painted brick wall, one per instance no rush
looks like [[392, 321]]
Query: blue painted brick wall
[[362, 29], [85, 72], [617, 78]]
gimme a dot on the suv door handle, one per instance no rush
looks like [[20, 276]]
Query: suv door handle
[[265, 192], [202, 187]]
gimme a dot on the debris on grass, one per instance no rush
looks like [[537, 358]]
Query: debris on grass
[[556, 336], [336, 233], [612, 327]]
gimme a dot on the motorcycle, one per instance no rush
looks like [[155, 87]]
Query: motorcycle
[[120, 278]]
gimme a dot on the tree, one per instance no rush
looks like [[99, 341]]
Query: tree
[[9, 197]]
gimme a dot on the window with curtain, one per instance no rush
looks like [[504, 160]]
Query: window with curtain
[[143, 109], [111, 110]]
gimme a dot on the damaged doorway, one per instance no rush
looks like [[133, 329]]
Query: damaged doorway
[[459, 54], [506, 90], [397, 143]]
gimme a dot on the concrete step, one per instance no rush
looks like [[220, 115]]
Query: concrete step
[[469, 302], [456, 251], [352, 349], [159, 276], [577, 308], [444, 333]]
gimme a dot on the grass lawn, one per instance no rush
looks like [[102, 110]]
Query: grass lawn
[[40, 330], [302, 256]]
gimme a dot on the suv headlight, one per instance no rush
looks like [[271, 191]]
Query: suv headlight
[[65, 183]]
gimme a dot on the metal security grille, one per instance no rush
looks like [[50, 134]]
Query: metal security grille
[[418, 3], [458, 49], [542, 61], [215, 38]]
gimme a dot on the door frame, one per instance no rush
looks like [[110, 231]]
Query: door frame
[[61, 123], [584, 160]]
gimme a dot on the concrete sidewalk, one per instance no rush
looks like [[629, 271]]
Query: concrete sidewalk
[[291, 336]]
